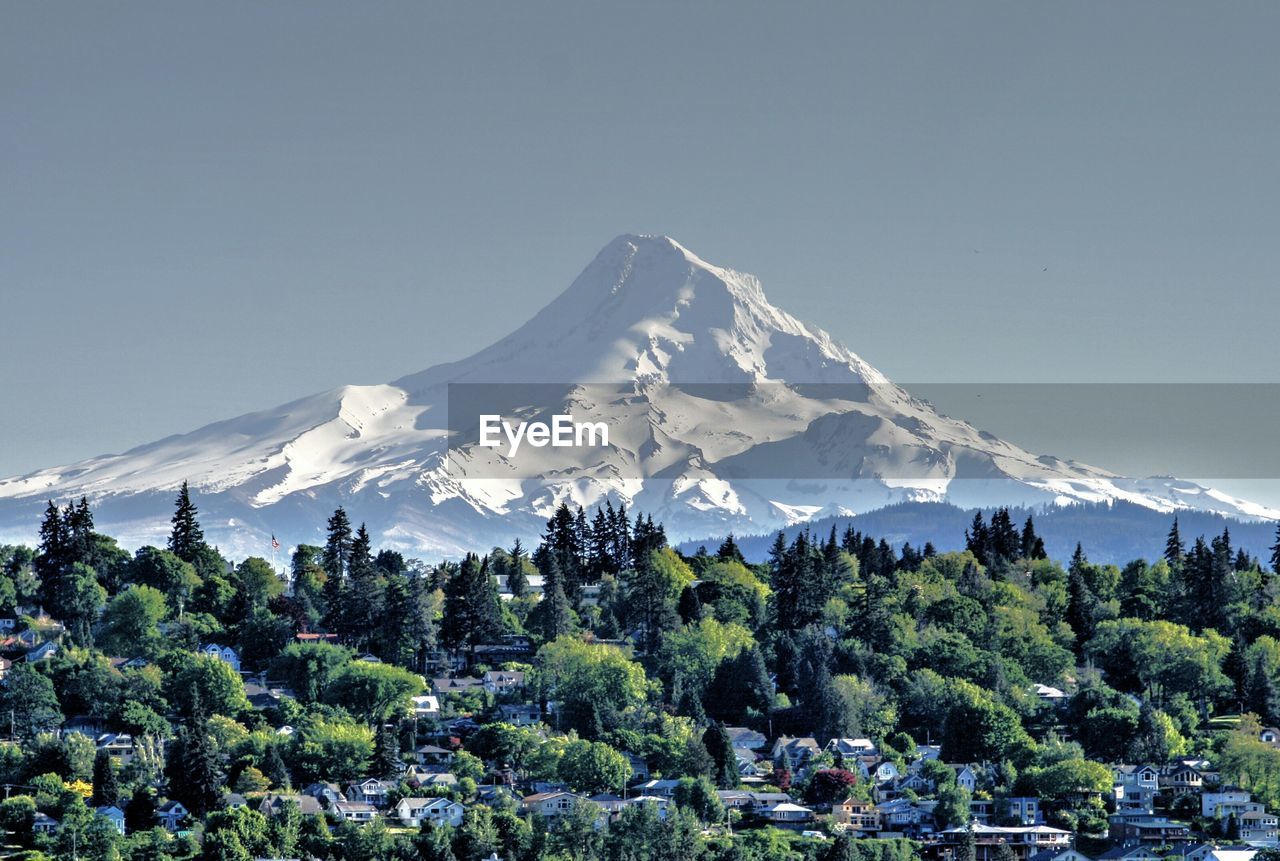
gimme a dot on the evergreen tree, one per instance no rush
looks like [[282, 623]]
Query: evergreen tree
[[1275, 552], [336, 561], [364, 609], [273, 767], [186, 538], [977, 540], [1174, 549], [472, 612], [729, 551], [337, 547], [725, 770], [649, 599], [1032, 545], [106, 786], [386, 752], [194, 769], [1081, 602], [554, 612], [517, 580]]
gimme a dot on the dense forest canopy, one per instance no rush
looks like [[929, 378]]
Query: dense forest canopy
[[627, 651]]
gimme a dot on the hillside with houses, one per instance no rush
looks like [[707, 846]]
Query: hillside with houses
[[603, 696]]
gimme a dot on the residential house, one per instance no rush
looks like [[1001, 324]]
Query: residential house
[[742, 736], [426, 707], [1050, 695], [853, 814], [901, 815], [273, 803], [1135, 787], [326, 794], [664, 788], [1146, 828], [1024, 840], [787, 813], [966, 777], [1257, 825], [5, 666], [1270, 735], [226, 654], [444, 687], [798, 750], [359, 812], [430, 754], [413, 812], [372, 791], [851, 747], [112, 814], [1181, 777], [170, 815], [520, 714], [503, 681], [1022, 810], [42, 652], [885, 772], [118, 745], [44, 824], [435, 778], [1227, 801], [550, 805]]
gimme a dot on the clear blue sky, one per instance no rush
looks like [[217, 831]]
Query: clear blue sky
[[209, 209]]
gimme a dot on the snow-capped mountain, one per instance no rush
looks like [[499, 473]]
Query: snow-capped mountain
[[725, 413]]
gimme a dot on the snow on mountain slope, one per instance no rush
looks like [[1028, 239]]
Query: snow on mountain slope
[[725, 413]]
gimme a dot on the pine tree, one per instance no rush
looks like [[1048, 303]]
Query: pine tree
[[730, 552], [977, 540], [195, 775], [1174, 549], [1081, 602], [553, 610], [718, 743], [1275, 552], [517, 580], [106, 786], [472, 612], [365, 604], [649, 599], [273, 767], [386, 752], [337, 547], [336, 562], [186, 539], [1032, 545]]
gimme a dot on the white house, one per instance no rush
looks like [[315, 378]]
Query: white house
[[354, 811], [787, 812], [226, 654], [1228, 801], [551, 804], [426, 706], [412, 812]]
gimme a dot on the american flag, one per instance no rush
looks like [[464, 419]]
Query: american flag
[[275, 545]]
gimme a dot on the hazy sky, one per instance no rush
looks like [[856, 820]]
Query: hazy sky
[[214, 208]]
